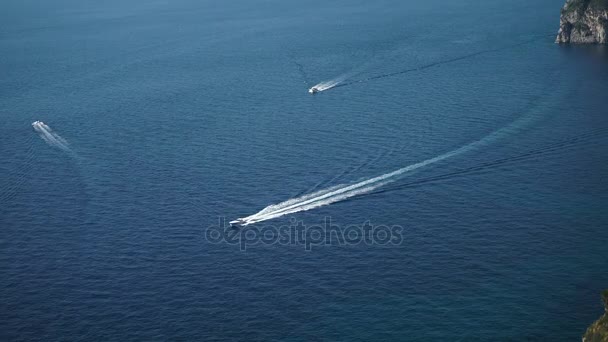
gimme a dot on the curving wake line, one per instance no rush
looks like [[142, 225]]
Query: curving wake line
[[344, 191], [51, 138]]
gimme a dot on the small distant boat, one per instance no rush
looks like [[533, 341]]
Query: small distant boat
[[239, 222], [313, 90], [37, 125]]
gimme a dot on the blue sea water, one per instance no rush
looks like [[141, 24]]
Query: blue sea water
[[180, 112]]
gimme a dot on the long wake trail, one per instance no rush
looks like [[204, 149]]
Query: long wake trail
[[574, 142], [345, 191], [340, 81], [51, 137]]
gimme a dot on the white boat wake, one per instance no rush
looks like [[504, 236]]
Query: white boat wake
[[51, 138], [340, 80], [344, 191], [326, 85]]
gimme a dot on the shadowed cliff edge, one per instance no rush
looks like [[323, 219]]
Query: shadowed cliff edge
[[598, 331], [583, 22]]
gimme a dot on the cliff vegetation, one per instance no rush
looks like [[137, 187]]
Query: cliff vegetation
[[584, 21]]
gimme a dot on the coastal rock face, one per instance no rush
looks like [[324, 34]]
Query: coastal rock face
[[598, 331], [584, 21]]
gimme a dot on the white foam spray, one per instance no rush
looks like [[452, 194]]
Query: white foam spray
[[51, 138], [345, 191], [326, 85]]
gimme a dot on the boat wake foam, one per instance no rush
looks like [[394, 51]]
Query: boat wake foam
[[344, 191], [341, 80], [47, 134], [326, 85]]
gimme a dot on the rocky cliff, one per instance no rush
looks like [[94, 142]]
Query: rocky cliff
[[584, 21], [598, 331]]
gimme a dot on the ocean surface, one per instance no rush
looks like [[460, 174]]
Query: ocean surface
[[460, 122]]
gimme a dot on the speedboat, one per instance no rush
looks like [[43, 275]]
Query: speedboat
[[313, 90], [37, 125], [241, 222]]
